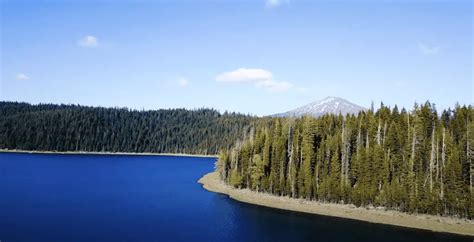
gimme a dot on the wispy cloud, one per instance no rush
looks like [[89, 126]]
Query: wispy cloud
[[260, 78], [88, 41], [245, 75], [274, 3], [22, 76], [428, 50], [182, 82]]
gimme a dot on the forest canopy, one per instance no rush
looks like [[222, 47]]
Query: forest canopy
[[50, 127], [419, 161]]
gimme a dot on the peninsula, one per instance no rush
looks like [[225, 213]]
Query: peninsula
[[211, 182]]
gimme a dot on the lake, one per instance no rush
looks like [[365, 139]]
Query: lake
[[153, 198]]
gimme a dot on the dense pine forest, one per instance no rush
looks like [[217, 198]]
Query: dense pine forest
[[49, 127], [419, 161]]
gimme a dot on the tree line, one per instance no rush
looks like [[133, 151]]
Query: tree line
[[50, 127], [419, 161]]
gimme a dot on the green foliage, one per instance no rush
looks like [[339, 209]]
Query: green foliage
[[415, 161], [235, 179], [79, 128], [222, 165], [257, 172]]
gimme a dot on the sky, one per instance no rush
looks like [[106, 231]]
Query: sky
[[259, 57]]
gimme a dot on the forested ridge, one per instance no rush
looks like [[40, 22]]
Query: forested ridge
[[419, 161], [412, 161], [49, 127]]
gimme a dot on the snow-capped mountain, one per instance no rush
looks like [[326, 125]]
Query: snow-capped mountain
[[334, 105]]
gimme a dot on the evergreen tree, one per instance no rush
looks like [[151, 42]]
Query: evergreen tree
[[415, 161]]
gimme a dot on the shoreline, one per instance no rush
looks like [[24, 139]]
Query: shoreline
[[212, 183], [102, 153]]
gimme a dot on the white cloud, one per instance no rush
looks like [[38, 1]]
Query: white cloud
[[245, 75], [273, 85], [183, 82], [428, 50], [22, 76], [88, 41], [260, 78], [274, 3]]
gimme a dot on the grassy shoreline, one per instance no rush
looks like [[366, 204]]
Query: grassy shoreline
[[211, 182], [102, 153]]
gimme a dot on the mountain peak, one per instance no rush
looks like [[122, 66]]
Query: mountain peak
[[333, 105]]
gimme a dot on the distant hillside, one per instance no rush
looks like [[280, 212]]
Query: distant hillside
[[328, 105], [78, 128]]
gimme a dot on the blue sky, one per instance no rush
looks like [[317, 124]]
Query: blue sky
[[259, 57]]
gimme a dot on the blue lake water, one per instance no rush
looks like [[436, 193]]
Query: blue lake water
[[153, 198]]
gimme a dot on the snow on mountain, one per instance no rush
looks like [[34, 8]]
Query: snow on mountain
[[334, 105]]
